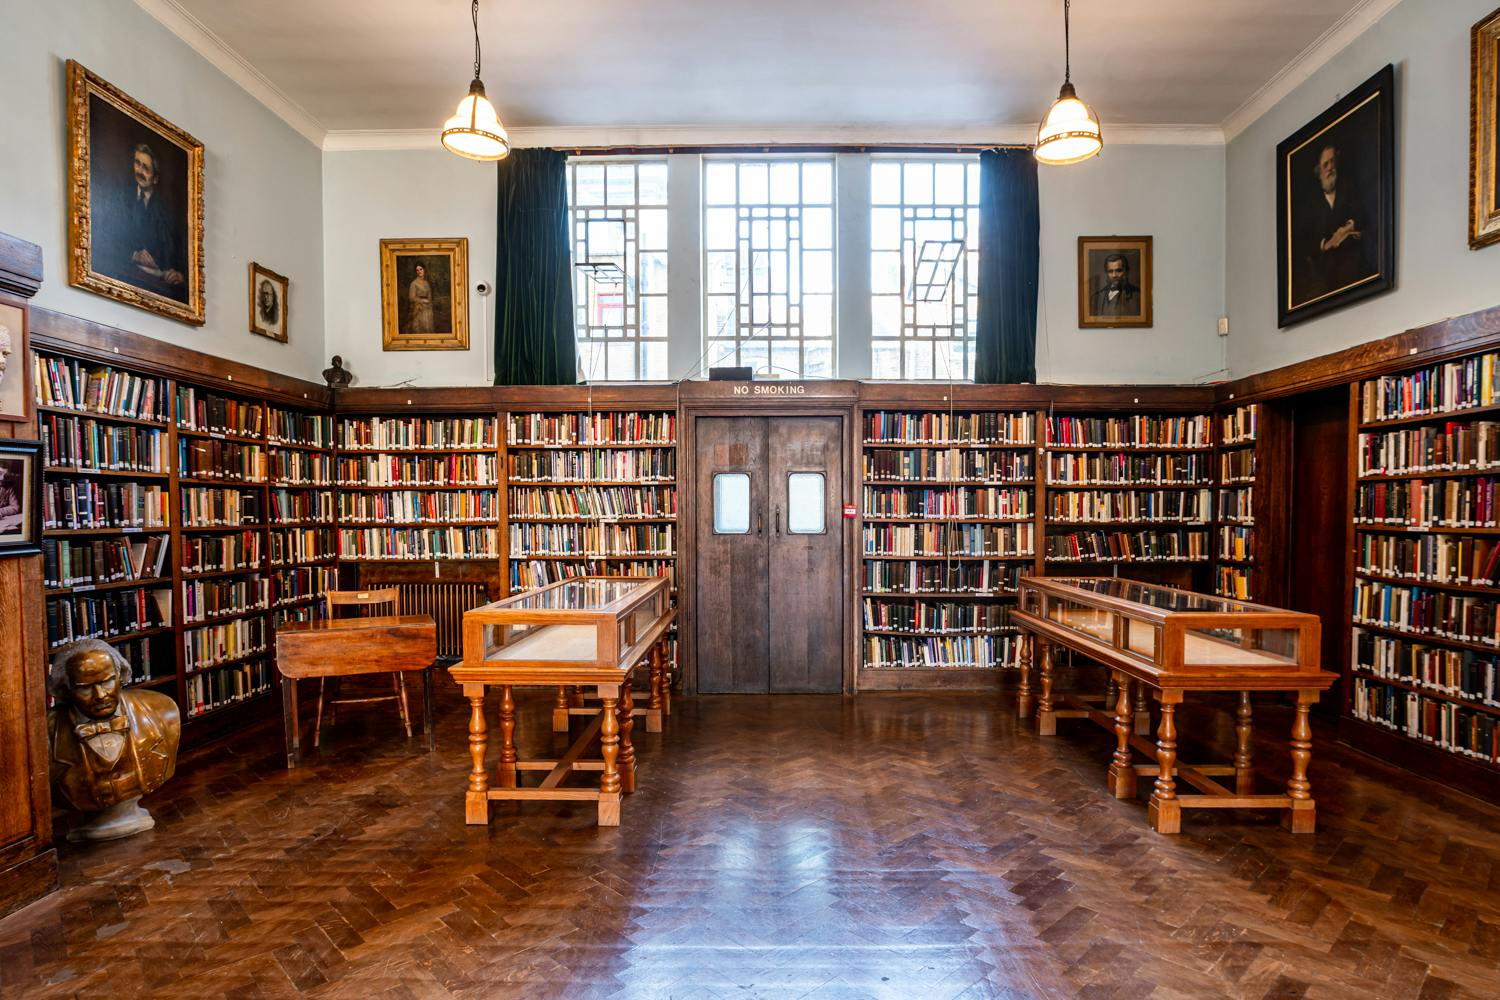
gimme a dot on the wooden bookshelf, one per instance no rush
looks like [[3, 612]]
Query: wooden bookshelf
[[1236, 463]]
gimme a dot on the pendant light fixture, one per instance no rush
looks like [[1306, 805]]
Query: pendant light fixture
[[475, 130], [1070, 132]]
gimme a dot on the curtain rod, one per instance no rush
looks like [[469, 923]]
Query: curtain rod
[[874, 147]]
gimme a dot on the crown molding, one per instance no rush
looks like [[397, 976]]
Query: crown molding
[[562, 137], [226, 60], [1359, 19]]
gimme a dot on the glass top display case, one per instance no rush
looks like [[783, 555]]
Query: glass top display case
[[587, 623], [1171, 630]]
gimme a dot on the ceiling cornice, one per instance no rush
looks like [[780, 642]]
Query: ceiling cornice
[[233, 65], [1346, 29]]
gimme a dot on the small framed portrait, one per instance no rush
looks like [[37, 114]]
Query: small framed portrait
[[15, 361], [424, 298], [268, 302], [1114, 281], [20, 497], [1484, 151], [135, 201], [1336, 204]]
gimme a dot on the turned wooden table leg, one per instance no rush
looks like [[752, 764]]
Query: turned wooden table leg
[[1121, 772], [1142, 710], [505, 772], [560, 710], [666, 677], [1111, 692], [609, 749], [1302, 817], [1165, 811], [626, 716], [476, 799], [1244, 773], [1024, 703], [654, 705], [1046, 721]]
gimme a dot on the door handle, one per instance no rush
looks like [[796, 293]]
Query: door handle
[[760, 523], [776, 524]]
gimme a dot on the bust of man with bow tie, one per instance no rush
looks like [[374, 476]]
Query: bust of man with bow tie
[[109, 746]]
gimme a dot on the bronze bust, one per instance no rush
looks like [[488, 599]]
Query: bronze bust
[[108, 746], [337, 377]]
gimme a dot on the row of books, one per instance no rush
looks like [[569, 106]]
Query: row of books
[[1232, 581], [1420, 611], [313, 612], [960, 539], [203, 600], [1434, 558], [1461, 673], [1237, 466], [935, 617], [300, 468], [528, 575], [1446, 388], [604, 465], [961, 501], [917, 465], [410, 505], [1451, 503], [418, 543], [222, 553], [417, 470], [301, 545], [915, 578], [296, 427], [222, 688], [210, 413], [303, 505], [1236, 543], [86, 443], [214, 506], [1238, 426], [1128, 546], [1452, 447], [213, 459], [1193, 506], [628, 427], [1130, 432], [1237, 504], [104, 615], [288, 585], [1468, 732], [211, 645], [977, 652], [74, 385], [437, 433], [68, 562], [936, 428], [1097, 469], [79, 504], [591, 539], [592, 502], [145, 664]]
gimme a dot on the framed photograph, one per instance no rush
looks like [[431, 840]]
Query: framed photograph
[[15, 361], [1114, 281], [135, 202], [1336, 204], [268, 302], [1484, 110], [20, 497], [424, 294]]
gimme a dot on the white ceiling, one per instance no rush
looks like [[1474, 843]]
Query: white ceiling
[[920, 64]]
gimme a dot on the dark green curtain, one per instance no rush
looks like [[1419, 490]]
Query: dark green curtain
[[1009, 258], [534, 340]]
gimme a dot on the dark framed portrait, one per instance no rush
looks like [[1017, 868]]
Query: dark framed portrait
[[268, 302], [135, 201], [15, 361], [1484, 114], [424, 298], [1114, 281], [1336, 204], [20, 497]]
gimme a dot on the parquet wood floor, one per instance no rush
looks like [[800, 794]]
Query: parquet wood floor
[[886, 846]]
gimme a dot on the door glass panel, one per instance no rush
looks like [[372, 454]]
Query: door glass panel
[[731, 503], [804, 503]]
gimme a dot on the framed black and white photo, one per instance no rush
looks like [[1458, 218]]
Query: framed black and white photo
[[20, 497], [15, 361], [1336, 204], [1114, 282], [268, 302]]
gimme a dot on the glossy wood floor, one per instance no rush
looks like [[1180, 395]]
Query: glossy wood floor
[[903, 847]]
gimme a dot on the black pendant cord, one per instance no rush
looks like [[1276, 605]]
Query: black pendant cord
[[474, 11], [1067, 41]]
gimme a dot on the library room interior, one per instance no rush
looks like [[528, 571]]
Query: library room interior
[[682, 501]]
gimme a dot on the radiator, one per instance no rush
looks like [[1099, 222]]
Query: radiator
[[446, 602]]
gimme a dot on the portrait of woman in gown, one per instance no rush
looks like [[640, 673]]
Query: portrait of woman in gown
[[419, 303], [424, 301]]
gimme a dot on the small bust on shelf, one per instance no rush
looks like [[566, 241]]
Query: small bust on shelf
[[108, 746], [337, 377]]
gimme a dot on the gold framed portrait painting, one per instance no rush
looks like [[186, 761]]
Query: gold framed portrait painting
[[424, 297], [1114, 282], [268, 302], [1484, 118], [135, 202]]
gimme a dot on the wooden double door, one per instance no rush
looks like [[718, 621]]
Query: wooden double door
[[769, 573]]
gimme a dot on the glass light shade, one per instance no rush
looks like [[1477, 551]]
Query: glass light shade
[[1070, 132], [475, 130]]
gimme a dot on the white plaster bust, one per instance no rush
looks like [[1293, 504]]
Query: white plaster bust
[[5, 348]]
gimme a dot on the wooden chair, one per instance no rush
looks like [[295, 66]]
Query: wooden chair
[[367, 604]]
